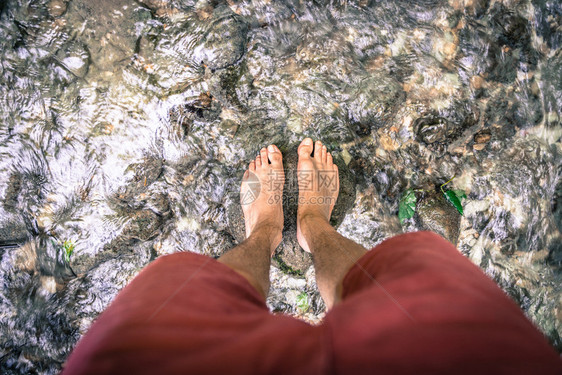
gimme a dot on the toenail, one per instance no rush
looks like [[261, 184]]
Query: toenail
[[307, 141], [270, 148]]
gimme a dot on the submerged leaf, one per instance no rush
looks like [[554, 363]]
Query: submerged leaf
[[302, 302], [455, 196], [460, 194], [407, 205], [68, 248]]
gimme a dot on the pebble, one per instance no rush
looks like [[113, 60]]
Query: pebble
[[431, 129], [107, 128], [388, 143], [48, 285], [482, 137], [56, 8], [75, 58], [26, 257], [476, 82], [472, 207], [479, 146]]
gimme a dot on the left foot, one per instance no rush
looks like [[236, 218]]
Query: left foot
[[261, 195]]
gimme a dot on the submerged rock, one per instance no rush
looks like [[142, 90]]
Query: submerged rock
[[482, 137], [432, 129], [57, 8], [436, 214], [75, 58], [548, 16], [200, 108], [109, 29], [375, 100], [224, 42], [13, 231]]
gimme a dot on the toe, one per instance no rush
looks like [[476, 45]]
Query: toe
[[263, 156], [329, 159], [274, 155], [258, 161], [324, 154], [318, 151], [252, 166], [305, 148]]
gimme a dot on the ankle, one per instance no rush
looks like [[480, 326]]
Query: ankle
[[311, 229], [270, 234], [316, 221]]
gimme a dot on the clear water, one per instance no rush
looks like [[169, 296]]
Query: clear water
[[125, 127]]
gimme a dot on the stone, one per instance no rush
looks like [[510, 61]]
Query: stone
[[12, 230], [109, 29], [431, 129], [75, 58], [202, 108], [56, 8], [436, 214], [482, 137], [388, 143], [224, 43], [144, 225], [10, 199], [155, 4], [476, 82], [479, 146], [375, 100], [133, 194]]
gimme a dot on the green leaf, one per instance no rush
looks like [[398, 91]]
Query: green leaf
[[302, 302], [460, 194], [68, 248], [407, 205], [455, 196]]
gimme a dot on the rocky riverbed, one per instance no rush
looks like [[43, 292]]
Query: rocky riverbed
[[125, 127]]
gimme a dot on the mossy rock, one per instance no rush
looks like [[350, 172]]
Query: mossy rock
[[436, 214]]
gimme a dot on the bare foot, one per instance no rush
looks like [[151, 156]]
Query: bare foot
[[319, 185], [261, 195]]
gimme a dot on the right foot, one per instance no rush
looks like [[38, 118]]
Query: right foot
[[319, 185]]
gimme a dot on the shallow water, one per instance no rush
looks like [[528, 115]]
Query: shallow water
[[125, 127]]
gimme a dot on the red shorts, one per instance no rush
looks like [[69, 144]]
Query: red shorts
[[413, 304]]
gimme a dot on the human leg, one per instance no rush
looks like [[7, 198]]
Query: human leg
[[332, 254], [261, 194]]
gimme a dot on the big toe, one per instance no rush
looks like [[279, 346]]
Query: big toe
[[305, 148]]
